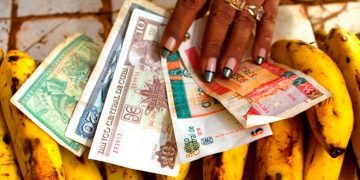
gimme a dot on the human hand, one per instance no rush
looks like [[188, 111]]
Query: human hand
[[227, 33]]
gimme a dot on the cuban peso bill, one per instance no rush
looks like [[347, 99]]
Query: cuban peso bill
[[201, 124], [83, 123], [135, 129], [255, 94], [49, 96]]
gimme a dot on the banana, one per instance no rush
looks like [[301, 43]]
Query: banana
[[331, 121], [113, 172], [344, 48], [8, 164], [319, 164], [226, 165], [37, 153], [78, 168], [281, 155], [184, 170]]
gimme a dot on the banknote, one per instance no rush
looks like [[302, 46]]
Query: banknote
[[202, 125], [255, 94], [86, 115], [50, 95], [134, 128]]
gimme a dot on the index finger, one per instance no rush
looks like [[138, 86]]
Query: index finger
[[184, 14]]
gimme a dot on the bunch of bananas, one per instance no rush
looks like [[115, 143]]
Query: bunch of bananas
[[296, 150]]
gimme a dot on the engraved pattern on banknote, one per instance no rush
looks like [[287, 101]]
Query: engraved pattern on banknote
[[154, 96], [167, 155]]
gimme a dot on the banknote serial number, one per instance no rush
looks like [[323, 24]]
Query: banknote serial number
[[117, 141]]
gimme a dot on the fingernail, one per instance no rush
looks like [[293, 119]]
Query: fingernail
[[229, 67], [170, 44], [210, 70], [209, 76], [261, 57], [165, 53]]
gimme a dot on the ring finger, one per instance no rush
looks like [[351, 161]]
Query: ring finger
[[220, 18], [237, 39]]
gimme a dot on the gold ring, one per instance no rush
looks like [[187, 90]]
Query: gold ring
[[256, 11]]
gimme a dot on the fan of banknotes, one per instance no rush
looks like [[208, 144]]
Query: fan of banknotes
[[136, 109]]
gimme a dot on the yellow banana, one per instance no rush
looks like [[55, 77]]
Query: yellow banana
[[226, 165], [8, 163], [331, 121], [113, 172], [79, 168], [281, 155], [37, 153], [344, 48], [319, 164], [184, 169]]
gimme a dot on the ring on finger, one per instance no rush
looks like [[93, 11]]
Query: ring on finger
[[256, 11]]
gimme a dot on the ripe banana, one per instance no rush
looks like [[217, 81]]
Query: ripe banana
[[281, 155], [318, 163], [78, 168], [226, 165], [8, 164], [184, 169], [37, 153], [113, 172], [344, 48], [331, 121]]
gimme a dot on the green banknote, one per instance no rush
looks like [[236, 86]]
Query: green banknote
[[50, 95]]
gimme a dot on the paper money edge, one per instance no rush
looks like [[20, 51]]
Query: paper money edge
[[301, 106], [127, 9], [266, 127], [92, 155], [19, 94]]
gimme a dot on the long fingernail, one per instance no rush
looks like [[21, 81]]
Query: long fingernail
[[168, 47], [229, 67], [210, 70], [261, 57]]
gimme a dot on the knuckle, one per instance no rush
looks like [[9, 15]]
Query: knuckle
[[212, 47], [222, 14], [190, 4], [269, 18], [245, 19]]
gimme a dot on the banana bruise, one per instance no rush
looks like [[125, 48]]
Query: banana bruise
[[113, 172], [79, 168], [331, 121], [37, 153], [344, 48], [184, 170], [319, 164], [226, 165], [281, 155]]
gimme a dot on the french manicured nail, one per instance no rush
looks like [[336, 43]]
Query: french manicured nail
[[168, 47], [261, 57], [229, 67], [165, 53], [210, 70]]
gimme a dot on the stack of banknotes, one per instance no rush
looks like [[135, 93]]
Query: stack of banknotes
[[139, 110]]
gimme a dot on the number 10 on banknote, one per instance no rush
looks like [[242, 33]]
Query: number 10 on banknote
[[135, 129]]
